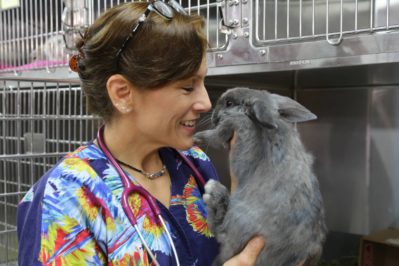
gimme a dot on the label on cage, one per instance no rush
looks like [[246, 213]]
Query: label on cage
[[300, 62], [7, 4]]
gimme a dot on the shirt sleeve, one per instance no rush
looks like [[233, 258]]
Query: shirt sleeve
[[29, 223], [55, 220]]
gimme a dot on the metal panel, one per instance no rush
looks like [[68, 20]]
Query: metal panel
[[384, 154], [338, 140], [356, 149], [270, 35]]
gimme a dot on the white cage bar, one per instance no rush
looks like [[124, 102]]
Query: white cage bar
[[40, 121]]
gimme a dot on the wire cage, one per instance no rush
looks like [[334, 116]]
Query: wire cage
[[41, 34], [40, 121], [306, 20]]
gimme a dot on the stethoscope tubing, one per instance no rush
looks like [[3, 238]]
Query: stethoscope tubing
[[130, 188]]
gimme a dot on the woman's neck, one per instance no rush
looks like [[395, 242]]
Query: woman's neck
[[131, 148], [134, 149]]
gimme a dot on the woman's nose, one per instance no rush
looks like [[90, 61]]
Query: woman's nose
[[203, 103]]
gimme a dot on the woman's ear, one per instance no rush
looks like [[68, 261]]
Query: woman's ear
[[120, 92]]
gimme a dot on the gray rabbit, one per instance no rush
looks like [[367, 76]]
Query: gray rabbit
[[277, 195]]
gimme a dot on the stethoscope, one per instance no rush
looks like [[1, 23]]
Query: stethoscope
[[130, 188]]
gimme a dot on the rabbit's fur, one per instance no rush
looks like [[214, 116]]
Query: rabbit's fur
[[277, 195]]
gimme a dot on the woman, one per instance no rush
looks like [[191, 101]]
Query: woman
[[142, 68]]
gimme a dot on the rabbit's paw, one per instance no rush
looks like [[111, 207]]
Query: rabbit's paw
[[216, 198], [215, 194]]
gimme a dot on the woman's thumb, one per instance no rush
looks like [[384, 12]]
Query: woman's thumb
[[252, 250]]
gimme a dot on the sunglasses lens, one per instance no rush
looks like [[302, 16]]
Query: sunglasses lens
[[176, 6], [163, 9]]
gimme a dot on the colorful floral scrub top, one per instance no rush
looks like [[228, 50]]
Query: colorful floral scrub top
[[73, 215]]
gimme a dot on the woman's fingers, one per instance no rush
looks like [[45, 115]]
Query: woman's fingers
[[247, 257], [252, 250], [233, 140], [233, 179]]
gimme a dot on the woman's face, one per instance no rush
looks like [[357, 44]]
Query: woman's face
[[168, 116]]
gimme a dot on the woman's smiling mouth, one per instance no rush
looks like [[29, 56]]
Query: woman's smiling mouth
[[188, 123]]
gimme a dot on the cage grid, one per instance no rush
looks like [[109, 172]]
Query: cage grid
[[33, 35], [303, 20], [40, 34], [40, 121]]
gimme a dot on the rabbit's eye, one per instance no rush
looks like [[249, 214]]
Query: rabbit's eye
[[228, 103]]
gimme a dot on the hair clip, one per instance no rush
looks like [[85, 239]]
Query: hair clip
[[74, 63]]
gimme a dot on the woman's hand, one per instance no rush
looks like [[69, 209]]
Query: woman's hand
[[247, 257], [233, 179]]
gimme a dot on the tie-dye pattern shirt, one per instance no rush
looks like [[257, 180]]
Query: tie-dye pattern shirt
[[73, 215]]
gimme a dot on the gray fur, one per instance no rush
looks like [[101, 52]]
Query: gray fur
[[278, 194]]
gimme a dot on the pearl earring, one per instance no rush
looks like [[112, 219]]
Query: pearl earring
[[122, 108]]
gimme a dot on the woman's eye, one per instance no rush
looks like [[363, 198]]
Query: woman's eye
[[188, 89]]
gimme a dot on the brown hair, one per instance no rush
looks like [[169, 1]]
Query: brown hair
[[160, 52]]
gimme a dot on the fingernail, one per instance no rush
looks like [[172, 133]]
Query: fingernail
[[259, 241]]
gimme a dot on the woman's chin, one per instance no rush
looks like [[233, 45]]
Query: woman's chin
[[184, 145]]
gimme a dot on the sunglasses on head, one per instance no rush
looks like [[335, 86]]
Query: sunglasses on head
[[165, 10]]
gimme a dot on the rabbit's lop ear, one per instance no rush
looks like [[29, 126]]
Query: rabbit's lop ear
[[291, 110], [259, 113]]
